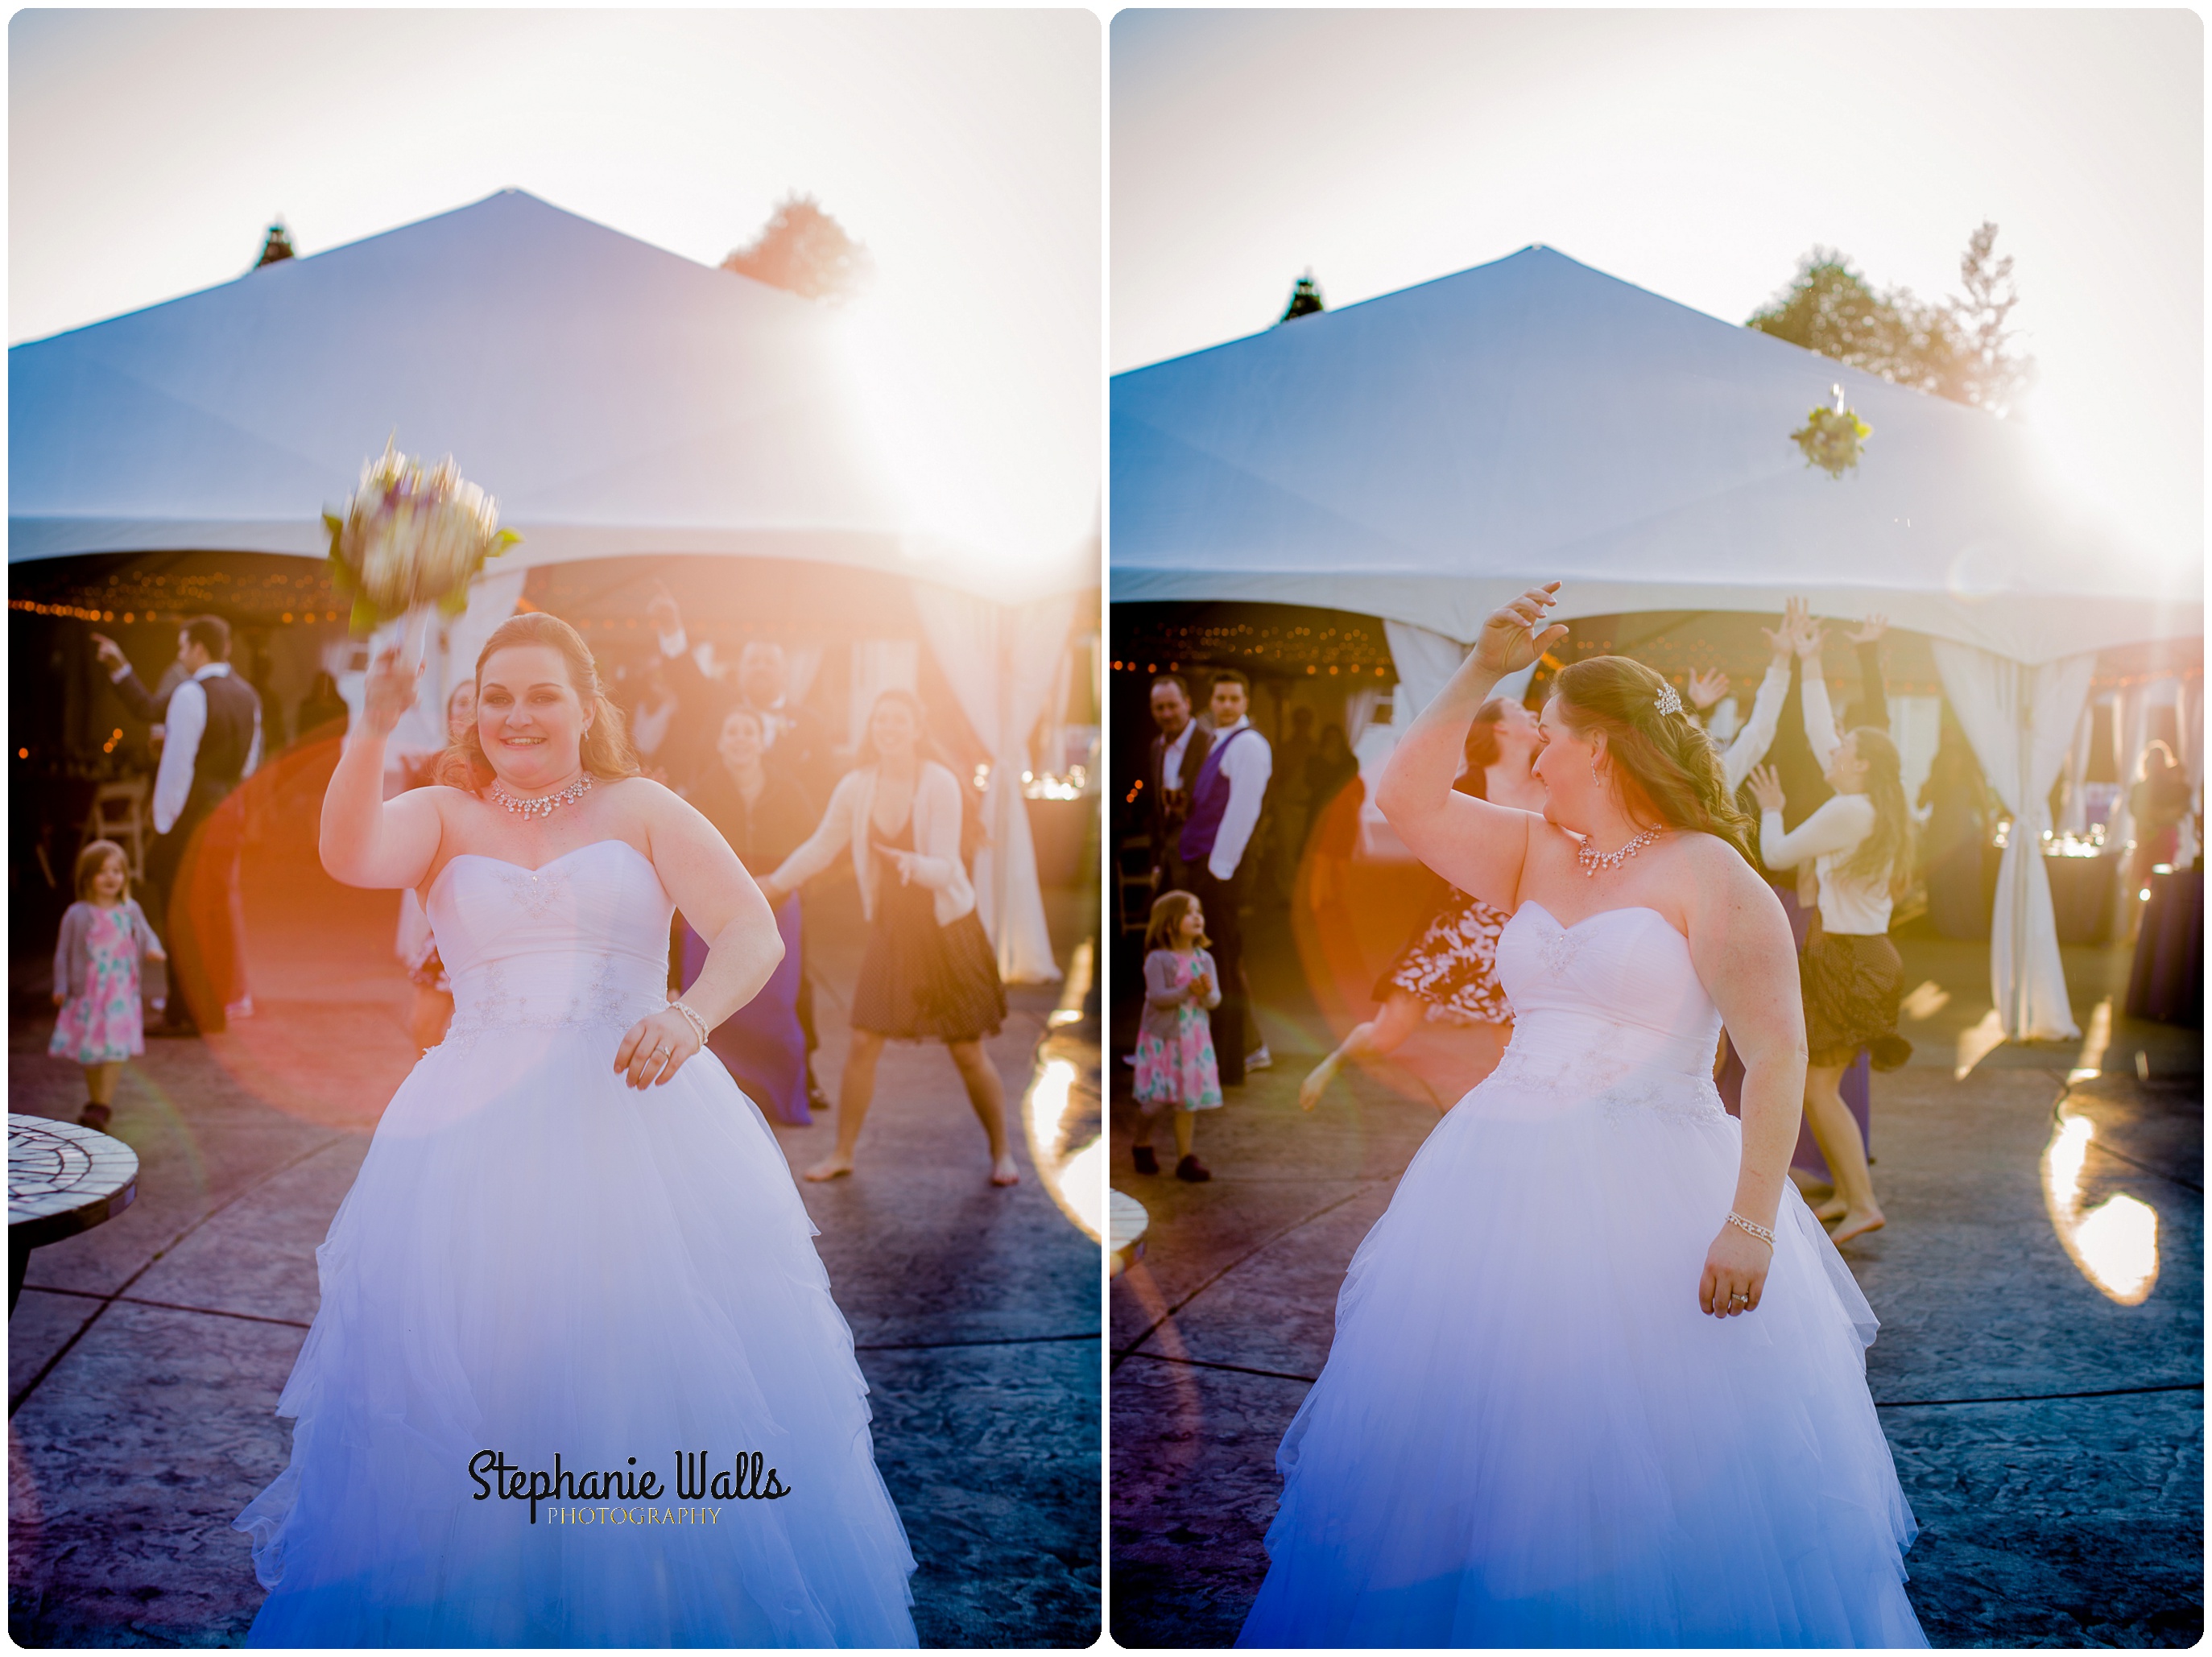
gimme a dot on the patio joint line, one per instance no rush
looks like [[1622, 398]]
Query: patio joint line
[[17, 1400], [1160, 1322], [165, 1306]]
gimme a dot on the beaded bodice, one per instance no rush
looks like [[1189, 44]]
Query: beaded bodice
[[582, 940], [1610, 1006]]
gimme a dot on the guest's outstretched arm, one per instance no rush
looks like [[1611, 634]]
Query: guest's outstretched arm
[[366, 840], [1478, 847]]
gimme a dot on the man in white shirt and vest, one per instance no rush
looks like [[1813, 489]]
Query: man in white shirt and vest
[[1225, 797], [211, 742]]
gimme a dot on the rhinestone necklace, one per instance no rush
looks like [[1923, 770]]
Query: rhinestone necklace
[[1592, 859], [543, 805]]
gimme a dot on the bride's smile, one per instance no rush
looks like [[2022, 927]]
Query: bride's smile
[[529, 720]]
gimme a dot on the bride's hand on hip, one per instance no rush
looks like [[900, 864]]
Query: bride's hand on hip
[[1736, 1272], [655, 1049], [1514, 634]]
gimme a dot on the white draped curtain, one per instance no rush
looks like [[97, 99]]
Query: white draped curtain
[[1002, 661], [878, 664], [2021, 721], [1425, 661]]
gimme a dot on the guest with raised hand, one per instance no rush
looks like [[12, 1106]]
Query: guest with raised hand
[[211, 742], [766, 816], [1448, 972], [1872, 706], [1859, 845], [929, 973], [1751, 740]]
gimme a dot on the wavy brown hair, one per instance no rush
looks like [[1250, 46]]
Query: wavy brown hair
[[1481, 752], [1886, 853], [1664, 767], [606, 750]]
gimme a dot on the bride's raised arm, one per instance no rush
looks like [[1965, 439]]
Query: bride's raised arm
[[1478, 847], [366, 840]]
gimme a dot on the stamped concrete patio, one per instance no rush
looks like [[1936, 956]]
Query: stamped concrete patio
[[146, 1356], [2049, 1437]]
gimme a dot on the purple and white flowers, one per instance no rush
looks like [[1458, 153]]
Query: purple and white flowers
[[411, 536]]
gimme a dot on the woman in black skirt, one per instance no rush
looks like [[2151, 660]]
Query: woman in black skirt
[[1859, 844], [929, 973]]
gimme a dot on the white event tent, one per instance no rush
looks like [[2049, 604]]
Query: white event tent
[[1424, 456], [618, 399]]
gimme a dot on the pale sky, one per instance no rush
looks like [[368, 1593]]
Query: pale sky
[[1696, 154], [149, 149]]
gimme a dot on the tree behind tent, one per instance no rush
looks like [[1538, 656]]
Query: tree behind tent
[[1959, 349], [804, 251]]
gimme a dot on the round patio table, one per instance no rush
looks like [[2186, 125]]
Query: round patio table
[[62, 1180]]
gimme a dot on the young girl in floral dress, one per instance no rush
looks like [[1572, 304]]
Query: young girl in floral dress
[[1175, 1045], [104, 934]]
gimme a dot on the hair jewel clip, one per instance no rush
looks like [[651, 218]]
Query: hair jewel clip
[[1669, 700]]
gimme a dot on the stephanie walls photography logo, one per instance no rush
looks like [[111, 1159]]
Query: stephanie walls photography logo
[[748, 1478]]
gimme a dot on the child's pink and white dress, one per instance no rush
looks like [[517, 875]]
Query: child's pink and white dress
[[1174, 1044], [97, 967]]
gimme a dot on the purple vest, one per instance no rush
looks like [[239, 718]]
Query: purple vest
[[1209, 799]]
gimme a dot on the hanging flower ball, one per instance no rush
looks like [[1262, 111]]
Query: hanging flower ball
[[1833, 437]]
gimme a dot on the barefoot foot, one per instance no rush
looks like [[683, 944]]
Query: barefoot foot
[[1855, 1223], [1832, 1211], [1003, 1171], [831, 1166], [1315, 1084]]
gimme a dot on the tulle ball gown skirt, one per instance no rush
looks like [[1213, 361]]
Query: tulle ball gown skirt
[[1527, 1434], [540, 1270]]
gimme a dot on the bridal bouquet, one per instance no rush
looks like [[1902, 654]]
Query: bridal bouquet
[[1832, 437], [412, 535]]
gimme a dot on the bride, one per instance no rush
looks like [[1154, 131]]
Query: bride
[[1598, 1377], [577, 1378]]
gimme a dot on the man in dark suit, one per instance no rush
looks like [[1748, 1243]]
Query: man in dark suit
[[1171, 764], [211, 742]]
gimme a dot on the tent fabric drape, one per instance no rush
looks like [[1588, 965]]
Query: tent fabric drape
[[2019, 721], [1001, 661], [1426, 661]]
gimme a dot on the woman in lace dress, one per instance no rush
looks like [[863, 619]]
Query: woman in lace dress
[[1447, 973], [1598, 1374], [576, 1378]]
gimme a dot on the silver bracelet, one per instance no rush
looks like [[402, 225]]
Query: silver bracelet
[[691, 1016], [1752, 1226]]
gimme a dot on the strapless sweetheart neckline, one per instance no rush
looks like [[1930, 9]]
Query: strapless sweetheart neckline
[[540, 868], [1617, 909]]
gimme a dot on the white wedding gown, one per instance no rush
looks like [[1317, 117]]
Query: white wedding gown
[[1526, 1433], [537, 1261]]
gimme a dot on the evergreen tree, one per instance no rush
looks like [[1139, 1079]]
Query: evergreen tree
[[1959, 349], [278, 246], [1305, 299]]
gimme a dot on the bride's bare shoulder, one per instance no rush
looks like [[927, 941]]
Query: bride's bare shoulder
[[1725, 889]]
